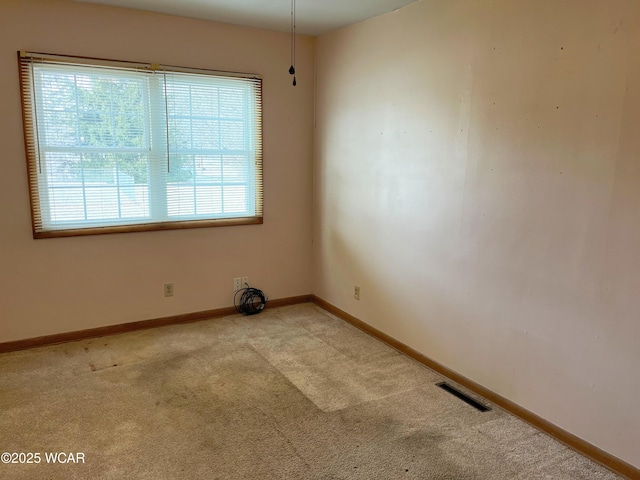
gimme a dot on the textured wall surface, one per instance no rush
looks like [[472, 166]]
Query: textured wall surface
[[477, 175]]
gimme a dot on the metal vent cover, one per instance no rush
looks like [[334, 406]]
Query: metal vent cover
[[465, 398]]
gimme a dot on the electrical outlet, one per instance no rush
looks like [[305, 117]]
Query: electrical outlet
[[245, 282], [356, 292], [237, 284], [168, 289]]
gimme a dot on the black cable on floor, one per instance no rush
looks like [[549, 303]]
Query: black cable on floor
[[252, 300]]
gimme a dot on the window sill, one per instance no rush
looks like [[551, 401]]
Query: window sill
[[149, 227]]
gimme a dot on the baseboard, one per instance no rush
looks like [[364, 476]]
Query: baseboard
[[141, 325], [581, 446], [285, 302]]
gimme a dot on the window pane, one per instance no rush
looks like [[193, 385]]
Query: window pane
[[231, 102], [182, 169], [205, 134], [66, 203], [204, 101], [209, 200], [91, 110], [111, 112], [235, 169], [134, 201], [97, 186], [232, 134], [181, 200], [208, 169], [235, 199], [60, 128]]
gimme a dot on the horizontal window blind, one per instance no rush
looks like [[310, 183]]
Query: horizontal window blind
[[114, 144]]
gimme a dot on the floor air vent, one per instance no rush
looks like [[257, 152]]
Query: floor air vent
[[463, 397]]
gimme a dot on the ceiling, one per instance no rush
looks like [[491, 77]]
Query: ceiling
[[314, 17]]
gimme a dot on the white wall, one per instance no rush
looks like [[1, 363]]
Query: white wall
[[478, 176], [66, 284]]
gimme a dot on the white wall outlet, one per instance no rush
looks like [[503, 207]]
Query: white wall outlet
[[245, 282], [168, 289], [237, 284], [356, 292]]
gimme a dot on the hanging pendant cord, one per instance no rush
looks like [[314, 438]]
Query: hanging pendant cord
[[292, 69]]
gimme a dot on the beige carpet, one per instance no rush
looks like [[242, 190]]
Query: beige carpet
[[292, 393]]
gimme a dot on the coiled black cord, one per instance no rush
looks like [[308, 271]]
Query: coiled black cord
[[252, 300]]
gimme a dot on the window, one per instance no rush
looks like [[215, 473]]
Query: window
[[118, 146]]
